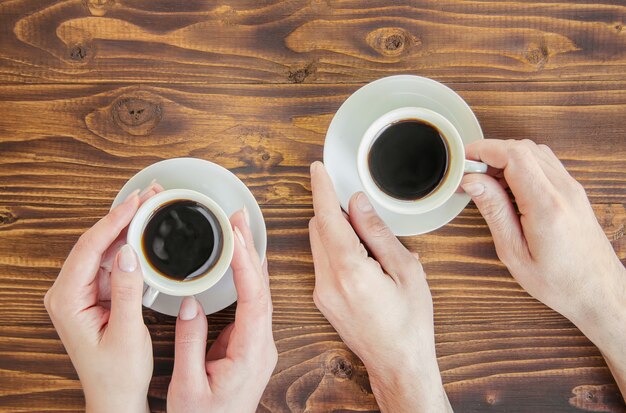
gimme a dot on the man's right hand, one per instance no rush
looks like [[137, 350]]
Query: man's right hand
[[555, 248]]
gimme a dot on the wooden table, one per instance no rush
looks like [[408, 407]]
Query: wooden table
[[92, 91]]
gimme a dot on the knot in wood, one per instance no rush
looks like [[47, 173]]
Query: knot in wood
[[99, 7], [340, 367], [391, 41], [80, 53], [619, 27], [537, 56], [300, 75], [394, 42], [136, 116], [7, 218]]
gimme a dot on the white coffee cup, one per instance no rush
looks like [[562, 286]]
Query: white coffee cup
[[456, 167], [159, 283]]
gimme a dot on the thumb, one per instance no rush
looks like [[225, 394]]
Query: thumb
[[126, 291], [190, 347], [496, 207]]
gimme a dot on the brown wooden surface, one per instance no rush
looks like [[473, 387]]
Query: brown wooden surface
[[253, 85]]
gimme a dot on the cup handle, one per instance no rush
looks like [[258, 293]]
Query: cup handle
[[149, 296], [474, 167]]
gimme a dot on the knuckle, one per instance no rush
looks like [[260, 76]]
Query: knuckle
[[189, 338], [520, 151], [528, 143], [545, 148], [377, 228], [578, 188], [83, 242], [124, 292], [50, 303], [318, 299], [496, 214], [323, 223], [415, 266]]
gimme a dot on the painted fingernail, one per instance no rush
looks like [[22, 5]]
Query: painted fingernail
[[246, 215], [240, 236], [363, 203], [127, 259], [473, 189], [131, 195], [188, 309]]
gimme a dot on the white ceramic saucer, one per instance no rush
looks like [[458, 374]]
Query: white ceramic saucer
[[366, 105], [223, 187]]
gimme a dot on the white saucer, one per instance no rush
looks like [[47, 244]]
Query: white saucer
[[366, 105], [224, 188]]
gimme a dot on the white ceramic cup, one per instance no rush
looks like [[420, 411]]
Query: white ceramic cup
[[158, 283], [457, 164]]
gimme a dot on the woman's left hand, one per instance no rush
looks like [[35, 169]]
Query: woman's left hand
[[95, 306]]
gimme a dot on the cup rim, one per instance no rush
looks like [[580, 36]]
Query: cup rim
[[150, 275], [448, 185]]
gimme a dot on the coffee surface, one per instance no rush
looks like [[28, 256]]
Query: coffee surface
[[180, 240], [409, 159]]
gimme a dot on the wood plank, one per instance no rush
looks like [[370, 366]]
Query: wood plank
[[76, 145], [492, 338], [310, 41], [468, 281]]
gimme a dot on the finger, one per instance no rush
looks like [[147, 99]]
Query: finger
[[109, 255], [151, 190], [523, 173], [336, 233], [219, 347], [81, 266], [496, 207], [126, 292], [266, 272], [321, 263], [190, 346], [382, 244], [240, 219], [555, 171], [253, 297]]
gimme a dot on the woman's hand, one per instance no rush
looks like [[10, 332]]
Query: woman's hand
[[95, 305], [232, 375], [379, 302], [555, 248]]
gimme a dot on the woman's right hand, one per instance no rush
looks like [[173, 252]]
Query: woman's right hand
[[555, 248], [232, 375]]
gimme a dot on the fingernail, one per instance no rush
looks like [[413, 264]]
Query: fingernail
[[363, 203], [131, 195], [246, 215], [240, 236], [127, 259], [314, 167], [188, 309], [473, 189], [146, 190]]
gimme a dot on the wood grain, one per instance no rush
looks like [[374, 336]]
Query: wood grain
[[498, 348], [92, 91], [78, 144], [304, 41]]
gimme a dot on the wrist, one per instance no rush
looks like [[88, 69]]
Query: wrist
[[113, 404], [410, 385], [604, 320]]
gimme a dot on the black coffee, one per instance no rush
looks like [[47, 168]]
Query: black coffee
[[409, 159], [182, 240]]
